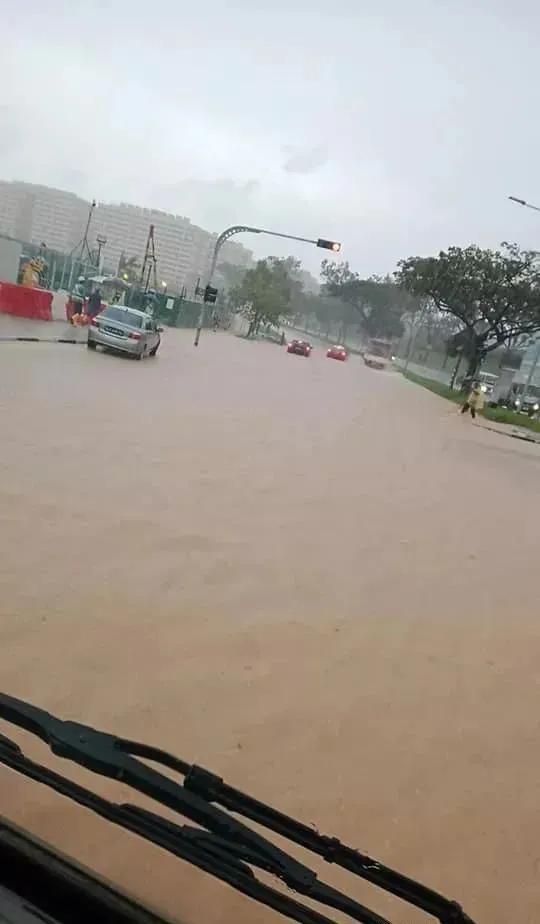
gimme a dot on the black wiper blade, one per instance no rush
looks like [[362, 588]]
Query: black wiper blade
[[159, 832], [226, 840], [104, 754]]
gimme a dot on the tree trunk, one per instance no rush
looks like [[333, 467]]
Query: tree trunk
[[474, 363], [456, 370]]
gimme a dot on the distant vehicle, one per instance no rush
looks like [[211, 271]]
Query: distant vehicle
[[487, 381], [527, 404], [337, 352], [378, 353], [502, 388], [375, 362], [524, 403], [125, 330], [300, 347]]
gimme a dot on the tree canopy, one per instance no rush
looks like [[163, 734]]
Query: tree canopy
[[129, 268], [377, 301], [266, 292], [494, 294], [229, 276]]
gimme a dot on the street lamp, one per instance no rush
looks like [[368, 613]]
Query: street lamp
[[335, 246], [527, 205], [536, 359], [101, 240]]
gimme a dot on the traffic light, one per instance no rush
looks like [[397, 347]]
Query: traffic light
[[329, 245], [210, 294]]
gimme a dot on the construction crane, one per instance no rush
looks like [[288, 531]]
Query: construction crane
[[149, 267]]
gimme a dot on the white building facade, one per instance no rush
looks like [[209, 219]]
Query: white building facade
[[40, 214]]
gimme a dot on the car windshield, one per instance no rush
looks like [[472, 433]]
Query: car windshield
[[124, 316]]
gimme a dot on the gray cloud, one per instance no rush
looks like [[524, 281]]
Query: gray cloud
[[226, 114], [304, 160]]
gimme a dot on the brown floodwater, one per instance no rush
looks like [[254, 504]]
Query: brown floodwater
[[315, 579]]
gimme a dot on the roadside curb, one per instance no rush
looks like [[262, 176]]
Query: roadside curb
[[41, 340], [513, 434]]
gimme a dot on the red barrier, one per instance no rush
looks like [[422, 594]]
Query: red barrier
[[25, 302]]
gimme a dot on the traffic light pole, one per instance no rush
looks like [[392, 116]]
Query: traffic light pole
[[240, 229]]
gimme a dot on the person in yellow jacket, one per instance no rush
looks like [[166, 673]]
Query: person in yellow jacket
[[475, 402]]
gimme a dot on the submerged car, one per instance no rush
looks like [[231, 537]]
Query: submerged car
[[528, 404], [375, 362], [337, 352], [486, 380], [125, 330], [38, 884], [300, 347]]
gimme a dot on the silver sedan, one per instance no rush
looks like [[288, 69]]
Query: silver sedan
[[125, 330]]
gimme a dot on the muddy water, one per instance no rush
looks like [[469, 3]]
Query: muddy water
[[315, 579]]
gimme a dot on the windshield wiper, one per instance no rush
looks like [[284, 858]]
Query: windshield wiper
[[221, 844]]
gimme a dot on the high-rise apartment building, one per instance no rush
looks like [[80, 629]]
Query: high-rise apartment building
[[180, 246], [39, 214], [184, 251]]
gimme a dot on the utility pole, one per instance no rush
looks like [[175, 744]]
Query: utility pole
[[241, 229], [101, 240], [532, 370], [536, 360], [82, 247]]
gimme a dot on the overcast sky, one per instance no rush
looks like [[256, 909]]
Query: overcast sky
[[396, 127]]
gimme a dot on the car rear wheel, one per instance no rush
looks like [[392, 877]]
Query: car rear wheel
[[91, 344]]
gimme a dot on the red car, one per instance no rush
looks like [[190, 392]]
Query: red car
[[300, 347], [337, 352]]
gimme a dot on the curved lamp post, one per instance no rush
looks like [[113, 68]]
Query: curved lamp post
[[241, 229]]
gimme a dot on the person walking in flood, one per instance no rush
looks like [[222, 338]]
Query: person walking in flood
[[475, 401], [94, 304]]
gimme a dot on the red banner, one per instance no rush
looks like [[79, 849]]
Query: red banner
[[25, 302]]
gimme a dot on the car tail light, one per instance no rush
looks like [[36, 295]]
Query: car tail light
[[134, 335], [94, 322]]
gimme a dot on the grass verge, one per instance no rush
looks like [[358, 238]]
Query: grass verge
[[497, 414]]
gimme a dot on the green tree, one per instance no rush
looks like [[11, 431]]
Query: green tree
[[495, 295], [378, 301], [267, 291], [334, 316], [229, 276], [129, 269]]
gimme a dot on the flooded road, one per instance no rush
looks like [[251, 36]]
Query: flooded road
[[315, 579]]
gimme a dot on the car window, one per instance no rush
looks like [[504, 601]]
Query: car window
[[123, 315]]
